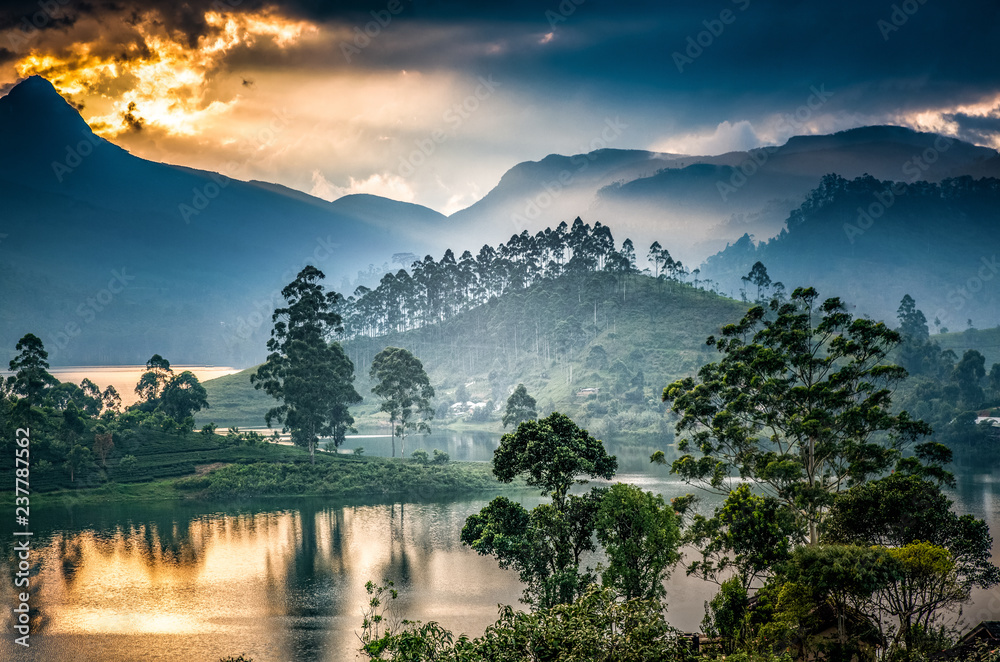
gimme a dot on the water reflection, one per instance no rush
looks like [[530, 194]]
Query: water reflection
[[285, 580], [276, 583]]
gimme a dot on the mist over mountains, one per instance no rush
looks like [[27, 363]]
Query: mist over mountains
[[109, 257]]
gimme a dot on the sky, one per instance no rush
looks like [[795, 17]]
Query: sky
[[432, 101]]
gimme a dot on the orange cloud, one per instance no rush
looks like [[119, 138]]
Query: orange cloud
[[157, 80]]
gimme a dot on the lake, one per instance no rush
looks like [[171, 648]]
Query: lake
[[125, 377], [284, 579]]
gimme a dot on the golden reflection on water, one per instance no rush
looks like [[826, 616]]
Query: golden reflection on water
[[286, 584]]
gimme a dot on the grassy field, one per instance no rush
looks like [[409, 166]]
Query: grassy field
[[985, 341], [199, 465]]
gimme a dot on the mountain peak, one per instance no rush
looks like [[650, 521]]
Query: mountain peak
[[35, 103], [39, 128]]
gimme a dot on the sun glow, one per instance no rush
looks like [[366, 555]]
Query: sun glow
[[940, 120], [164, 83]]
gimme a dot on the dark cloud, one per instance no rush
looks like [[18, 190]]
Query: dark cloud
[[701, 63], [977, 128]]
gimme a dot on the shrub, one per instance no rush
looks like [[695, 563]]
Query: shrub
[[127, 466]]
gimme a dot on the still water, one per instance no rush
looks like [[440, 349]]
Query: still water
[[125, 377], [284, 579]]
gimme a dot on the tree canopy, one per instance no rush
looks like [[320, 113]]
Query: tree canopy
[[520, 407], [30, 367], [801, 403], [552, 452], [406, 392], [307, 371]]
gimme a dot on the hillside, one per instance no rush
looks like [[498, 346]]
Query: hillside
[[873, 241], [109, 257], [625, 335], [700, 202], [984, 341]]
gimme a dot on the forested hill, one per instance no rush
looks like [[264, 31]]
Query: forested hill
[[871, 242], [434, 291], [598, 346]]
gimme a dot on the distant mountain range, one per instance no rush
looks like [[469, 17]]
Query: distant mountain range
[[200, 258], [110, 258], [695, 205]]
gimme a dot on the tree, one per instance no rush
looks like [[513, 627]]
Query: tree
[[91, 397], [759, 278], [916, 352], [640, 534], [520, 407], [798, 404], [311, 376], [111, 400], [547, 544], [748, 534], [846, 576], [103, 443], [157, 375], [405, 389], [968, 375], [940, 556], [77, 459], [30, 367], [898, 509], [183, 396], [552, 452]]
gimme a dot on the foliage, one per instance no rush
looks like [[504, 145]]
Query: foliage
[[899, 509], [103, 443], [798, 403], [30, 367], [311, 376], [845, 576], [403, 385], [152, 382], [127, 466], [420, 456], [183, 396], [726, 615], [552, 452], [435, 291], [758, 277], [597, 627], [640, 535], [78, 459], [520, 407], [647, 336], [342, 476], [748, 535], [545, 546]]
